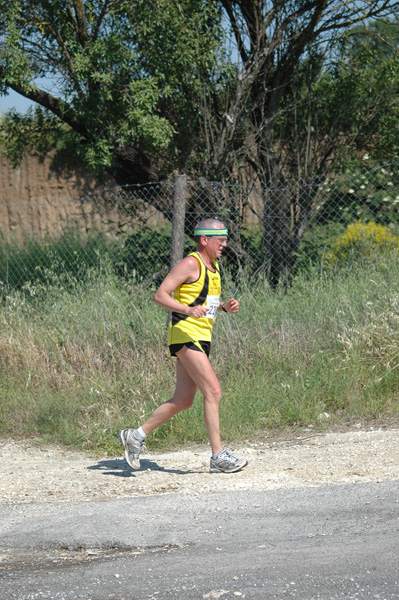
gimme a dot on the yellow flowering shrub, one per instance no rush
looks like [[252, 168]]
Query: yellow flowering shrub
[[362, 241]]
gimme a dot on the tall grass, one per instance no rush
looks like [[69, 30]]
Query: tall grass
[[78, 362]]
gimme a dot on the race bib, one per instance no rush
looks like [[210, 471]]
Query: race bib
[[212, 302]]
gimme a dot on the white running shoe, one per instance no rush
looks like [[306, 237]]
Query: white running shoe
[[133, 447], [227, 462]]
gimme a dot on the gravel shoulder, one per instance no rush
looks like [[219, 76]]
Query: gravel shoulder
[[36, 474]]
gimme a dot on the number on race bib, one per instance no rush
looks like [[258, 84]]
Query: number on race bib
[[212, 302]]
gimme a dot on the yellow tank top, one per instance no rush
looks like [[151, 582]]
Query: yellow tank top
[[204, 291]]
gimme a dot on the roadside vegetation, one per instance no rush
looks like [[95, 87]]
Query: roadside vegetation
[[291, 105], [84, 355]]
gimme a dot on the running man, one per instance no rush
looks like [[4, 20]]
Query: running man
[[192, 291]]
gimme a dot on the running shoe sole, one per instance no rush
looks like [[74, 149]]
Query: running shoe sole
[[214, 469]]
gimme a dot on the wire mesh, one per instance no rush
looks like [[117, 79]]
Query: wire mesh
[[274, 229]]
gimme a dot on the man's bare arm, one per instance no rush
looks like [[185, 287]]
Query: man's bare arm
[[185, 271]]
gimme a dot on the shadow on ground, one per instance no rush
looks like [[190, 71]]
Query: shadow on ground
[[118, 467]]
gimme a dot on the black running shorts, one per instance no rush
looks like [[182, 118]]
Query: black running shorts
[[206, 347]]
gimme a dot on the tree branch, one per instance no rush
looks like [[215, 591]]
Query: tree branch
[[58, 107], [236, 30], [81, 23]]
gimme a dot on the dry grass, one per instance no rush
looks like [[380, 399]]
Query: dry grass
[[77, 364]]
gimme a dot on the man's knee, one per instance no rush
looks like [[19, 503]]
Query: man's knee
[[213, 394], [186, 405], [182, 403]]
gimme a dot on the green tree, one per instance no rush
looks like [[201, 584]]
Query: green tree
[[342, 116], [124, 77], [143, 88], [132, 81], [303, 109]]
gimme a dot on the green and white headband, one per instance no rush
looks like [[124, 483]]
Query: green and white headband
[[209, 232]]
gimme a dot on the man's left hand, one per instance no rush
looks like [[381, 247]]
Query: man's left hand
[[232, 305]]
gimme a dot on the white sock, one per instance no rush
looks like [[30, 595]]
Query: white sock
[[217, 454], [139, 434]]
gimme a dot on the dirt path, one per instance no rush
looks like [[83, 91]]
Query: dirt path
[[35, 474]]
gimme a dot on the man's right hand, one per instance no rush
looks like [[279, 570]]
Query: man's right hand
[[197, 311]]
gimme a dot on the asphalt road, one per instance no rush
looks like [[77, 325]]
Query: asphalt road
[[309, 543]]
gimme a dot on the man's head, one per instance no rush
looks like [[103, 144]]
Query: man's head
[[211, 237], [209, 228]]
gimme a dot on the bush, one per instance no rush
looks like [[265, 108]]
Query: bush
[[362, 241], [316, 245], [368, 192], [45, 261], [73, 256]]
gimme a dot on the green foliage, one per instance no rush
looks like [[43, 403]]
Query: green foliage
[[364, 191], [367, 79], [90, 358], [316, 246], [142, 255], [35, 131], [252, 243], [343, 104], [126, 75], [36, 263], [145, 90], [154, 77], [377, 38], [363, 241], [147, 252], [15, 64]]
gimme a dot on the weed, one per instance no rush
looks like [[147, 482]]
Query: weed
[[80, 361]]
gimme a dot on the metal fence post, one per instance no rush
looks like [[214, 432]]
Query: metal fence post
[[179, 215]]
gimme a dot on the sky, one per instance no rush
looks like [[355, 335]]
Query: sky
[[21, 104], [14, 100]]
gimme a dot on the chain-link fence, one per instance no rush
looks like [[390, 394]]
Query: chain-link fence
[[140, 230]]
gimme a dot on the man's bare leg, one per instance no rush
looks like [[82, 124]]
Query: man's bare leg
[[199, 369], [193, 370], [182, 399]]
